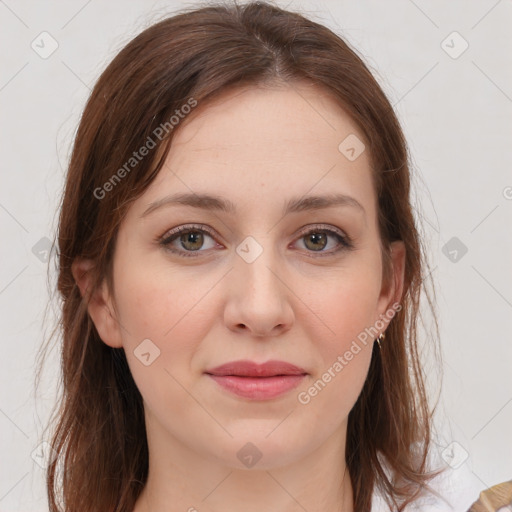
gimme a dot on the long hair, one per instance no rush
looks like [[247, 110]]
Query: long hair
[[98, 431]]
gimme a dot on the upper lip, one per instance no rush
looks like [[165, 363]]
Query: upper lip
[[245, 368]]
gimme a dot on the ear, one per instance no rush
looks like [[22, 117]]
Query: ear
[[391, 292], [99, 303]]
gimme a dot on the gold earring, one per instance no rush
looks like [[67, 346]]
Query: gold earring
[[380, 338]]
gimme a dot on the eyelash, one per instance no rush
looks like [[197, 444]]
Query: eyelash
[[165, 240]]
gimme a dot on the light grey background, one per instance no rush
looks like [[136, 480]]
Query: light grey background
[[456, 113]]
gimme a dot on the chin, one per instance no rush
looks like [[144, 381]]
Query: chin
[[257, 450]]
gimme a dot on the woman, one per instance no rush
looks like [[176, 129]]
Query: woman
[[241, 276]]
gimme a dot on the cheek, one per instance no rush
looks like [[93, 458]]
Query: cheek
[[169, 312], [345, 350], [151, 298], [345, 305], [170, 309]]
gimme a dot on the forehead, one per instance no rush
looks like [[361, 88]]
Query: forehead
[[264, 121], [266, 142]]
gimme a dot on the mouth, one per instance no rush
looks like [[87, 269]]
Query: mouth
[[255, 381]]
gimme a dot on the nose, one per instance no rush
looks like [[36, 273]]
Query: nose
[[259, 297]]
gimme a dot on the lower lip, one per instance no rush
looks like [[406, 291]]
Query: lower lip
[[258, 388]]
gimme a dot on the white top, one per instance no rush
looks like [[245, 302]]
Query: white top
[[459, 488]]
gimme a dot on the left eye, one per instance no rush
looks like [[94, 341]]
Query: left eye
[[192, 239], [318, 239]]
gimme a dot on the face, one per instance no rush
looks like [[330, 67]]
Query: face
[[269, 277]]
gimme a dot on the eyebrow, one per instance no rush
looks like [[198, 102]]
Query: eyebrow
[[217, 203]]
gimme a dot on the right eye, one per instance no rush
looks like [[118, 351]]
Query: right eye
[[187, 240]]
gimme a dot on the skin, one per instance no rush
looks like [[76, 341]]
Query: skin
[[257, 147]]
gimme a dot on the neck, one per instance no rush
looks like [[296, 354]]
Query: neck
[[190, 481]]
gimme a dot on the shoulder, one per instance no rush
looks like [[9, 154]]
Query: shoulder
[[455, 489]]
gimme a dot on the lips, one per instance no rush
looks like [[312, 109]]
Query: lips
[[255, 381], [252, 369]]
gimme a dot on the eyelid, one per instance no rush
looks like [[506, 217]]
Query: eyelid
[[344, 240], [165, 239], [323, 228]]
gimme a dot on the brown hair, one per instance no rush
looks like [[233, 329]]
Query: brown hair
[[99, 434]]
